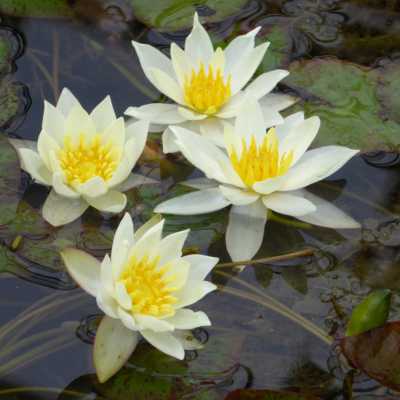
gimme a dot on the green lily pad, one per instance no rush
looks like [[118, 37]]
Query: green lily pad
[[345, 96], [174, 15], [36, 8]]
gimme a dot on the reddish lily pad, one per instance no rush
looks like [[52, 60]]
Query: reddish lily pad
[[376, 353], [251, 394]]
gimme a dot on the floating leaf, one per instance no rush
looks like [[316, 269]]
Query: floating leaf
[[36, 8], [265, 394], [345, 96], [371, 313], [376, 353], [174, 15]]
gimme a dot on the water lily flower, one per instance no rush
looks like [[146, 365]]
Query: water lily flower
[[260, 171], [144, 289], [207, 85], [86, 159]]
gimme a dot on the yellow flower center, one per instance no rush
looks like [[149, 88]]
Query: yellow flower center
[[258, 163], [149, 287], [86, 159], [206, 93]]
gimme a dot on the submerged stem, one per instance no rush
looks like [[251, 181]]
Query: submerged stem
[[267, 260]]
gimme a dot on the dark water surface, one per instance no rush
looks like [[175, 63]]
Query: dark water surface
[[47, 325]]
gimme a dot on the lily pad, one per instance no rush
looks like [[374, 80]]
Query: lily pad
[[251, 394], [36, 8], [376, 353], [174, 15], [345, 96]]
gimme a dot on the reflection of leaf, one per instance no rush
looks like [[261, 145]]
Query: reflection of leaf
[[376, 353], [265, 394], [173, 15], [344, 95], [295, 276], [263, 275]]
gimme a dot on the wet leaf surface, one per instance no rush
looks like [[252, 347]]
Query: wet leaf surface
[[36, 8], [251, 394], [376, 353], [174, 15]]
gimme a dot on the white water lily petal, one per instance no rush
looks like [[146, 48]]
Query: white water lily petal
[[84, 269], [243, 45], [124, 239], [264, 83], [233, 106], [315, 165], [148, 245], [193, 293], [327, 214], [153, 221], [250, 123], [150, 58], [207, 157], [272, 118], [23, 144], [200, 202], [289, 204], [245, 69], [181, 63], [288, 124], [158, 113], [112, 202], [79, 123], [61, 188], [33, 164], [171, 246], [165, 342], [270, 185], [113, 346], [300, 138], [169, 144], [177, 272], [53, 122], [46, 145], [103, 114], [92, 188], [107, 303], [213, 129], [198, 45], [188, 319], [191, 115], [135, 180], [122, 296], [124, 168], [238, 197], [245, 231], [147, 322], [167, 85], [277, 101], [200, 183], [127, 319], [66, 102], [106, 274], [59, 210], [200, 266], [114, 133]]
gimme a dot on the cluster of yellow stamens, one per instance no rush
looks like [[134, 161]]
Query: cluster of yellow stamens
[[259, 162], [148, 287], [206, 92], [84, 159]]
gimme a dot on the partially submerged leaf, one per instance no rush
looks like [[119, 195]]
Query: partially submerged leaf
[[36, 8], [376, 353], [345, 97], [174, 15], [265, 394]]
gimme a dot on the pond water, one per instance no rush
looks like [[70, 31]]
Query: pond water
[[343, 56]]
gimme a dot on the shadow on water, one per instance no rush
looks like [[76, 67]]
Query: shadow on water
[[47, 327]]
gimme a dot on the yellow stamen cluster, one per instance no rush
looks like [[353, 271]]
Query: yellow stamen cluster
[[260, 162], [206, 93], [84, 159], [149, 288]]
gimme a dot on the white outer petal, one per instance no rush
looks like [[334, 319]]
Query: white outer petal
[[147, 322], [200, 202], [103, 114], [238, 197], [165, 342], [194, 292], [84, 269], [157, 113], [167, 85], [188, 319], [200, 266], [66, 102], [264, 83], [250, 122], [111, 202], [245, 231], [62, 188], [171, 246], [289, 204], [33, 164]]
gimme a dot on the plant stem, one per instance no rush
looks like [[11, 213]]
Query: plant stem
[[268, 260], [44, 390]]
